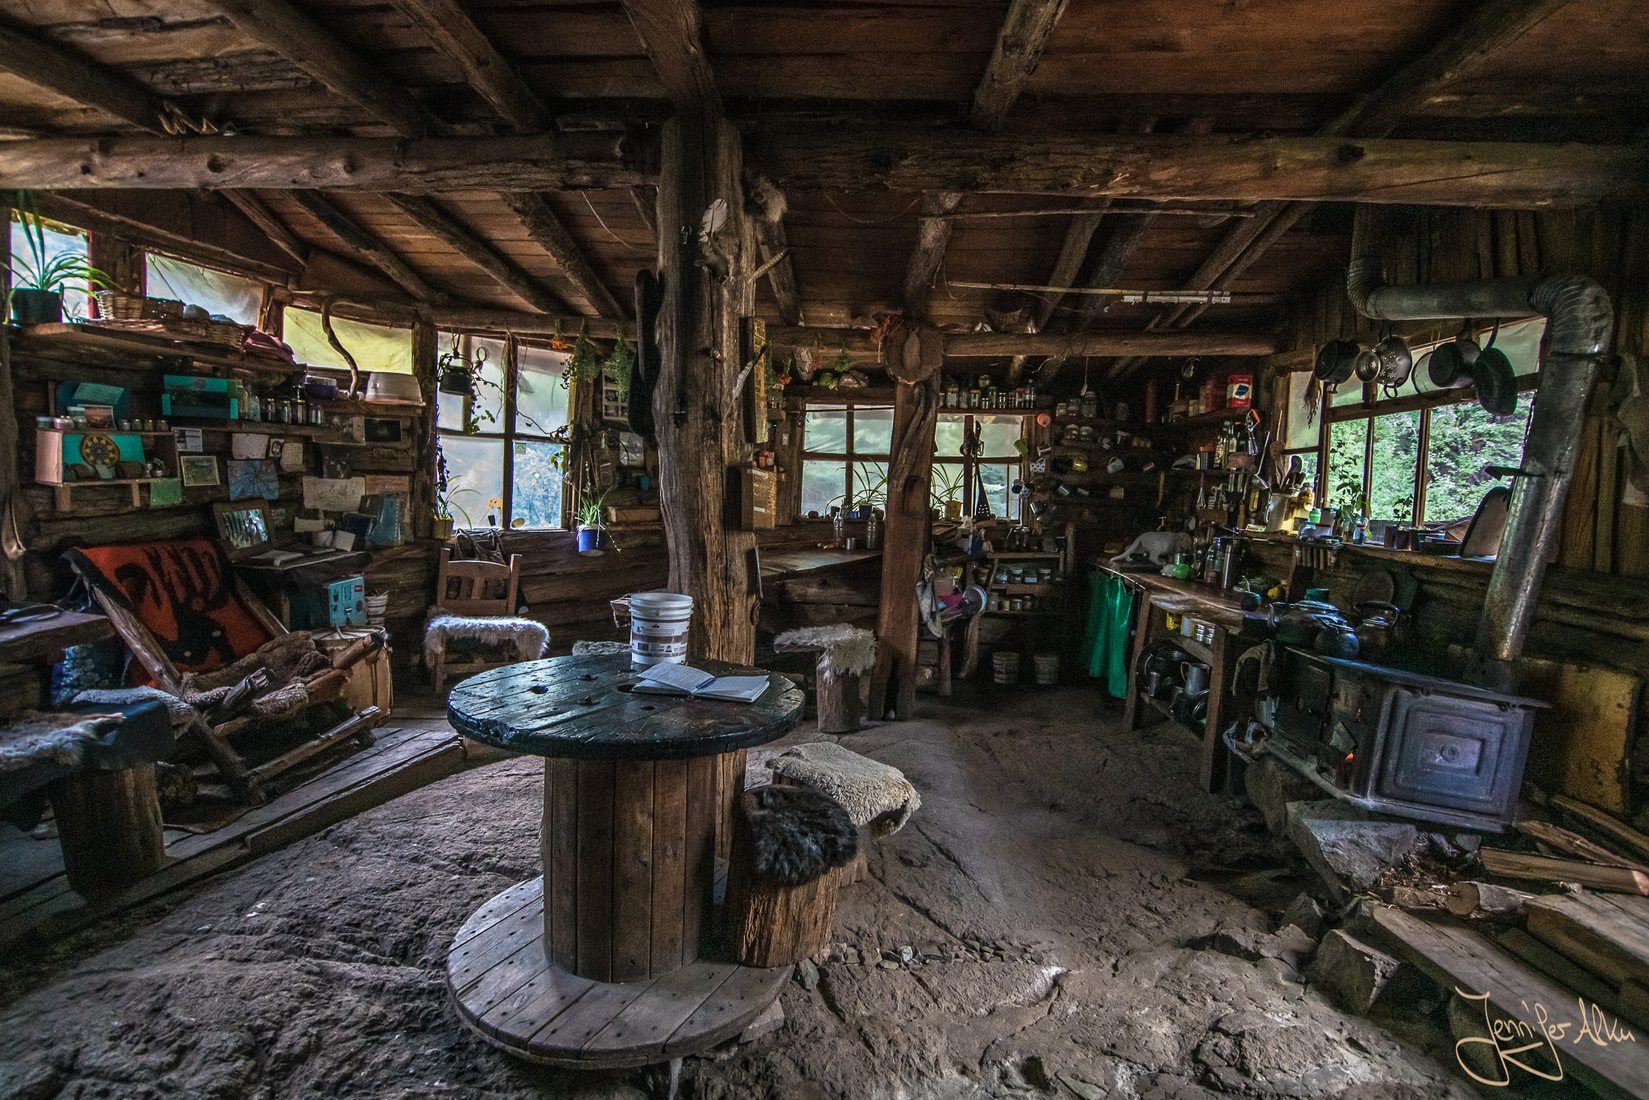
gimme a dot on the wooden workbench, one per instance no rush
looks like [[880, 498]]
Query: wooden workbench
[[1159, 597]]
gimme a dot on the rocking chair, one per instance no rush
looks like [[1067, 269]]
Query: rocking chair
[[180, 608]]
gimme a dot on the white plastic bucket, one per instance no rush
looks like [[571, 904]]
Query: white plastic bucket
[[1005, 667], [658, 628], [1045, 668]]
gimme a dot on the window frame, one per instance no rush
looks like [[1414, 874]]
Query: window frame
[[510, 433], [1372, 407]]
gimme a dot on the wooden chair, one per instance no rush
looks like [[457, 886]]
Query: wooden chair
[[475, 603], [210, 569]]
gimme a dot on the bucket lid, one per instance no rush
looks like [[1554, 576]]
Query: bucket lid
[[660, 601]]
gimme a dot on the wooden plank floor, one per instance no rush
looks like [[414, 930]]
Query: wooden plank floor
[[36, 902], [510, 994]]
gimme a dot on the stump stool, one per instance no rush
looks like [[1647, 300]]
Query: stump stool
[[781, 883], [846, 653]]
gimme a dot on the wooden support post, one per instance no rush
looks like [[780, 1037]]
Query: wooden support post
[[707, 295], [905, 544], [425, 353], [109, 825], [13, 514]]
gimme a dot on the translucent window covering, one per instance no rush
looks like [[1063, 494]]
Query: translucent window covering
[[375, 347], [217, 292], [540, 395], [1304, 419]]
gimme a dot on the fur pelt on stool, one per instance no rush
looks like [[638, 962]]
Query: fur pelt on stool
[[798, 833], [523, 639], [61, 738], [873, 793], [843, 649]]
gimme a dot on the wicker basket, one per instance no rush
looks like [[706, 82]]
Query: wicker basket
[[117, 305]]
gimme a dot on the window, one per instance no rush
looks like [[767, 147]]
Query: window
[[375, 347], [500, 460], [60, 240], [1424, 456], [845, 451], [218, 292]]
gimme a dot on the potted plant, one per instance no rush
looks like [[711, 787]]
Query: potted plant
[[592, 531], [36, 296], [946, 491], [446, 499]]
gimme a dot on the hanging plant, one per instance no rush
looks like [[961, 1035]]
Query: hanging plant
[[842, 363], [584, 365], [619, 366]]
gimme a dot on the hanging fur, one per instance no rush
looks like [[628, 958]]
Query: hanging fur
[[35, 736], [843, 649], [764, 200], [798, 833]]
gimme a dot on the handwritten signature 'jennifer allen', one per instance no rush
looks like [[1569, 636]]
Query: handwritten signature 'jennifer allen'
[[1534, 1048]]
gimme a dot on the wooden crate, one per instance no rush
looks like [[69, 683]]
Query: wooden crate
[[758, 498]]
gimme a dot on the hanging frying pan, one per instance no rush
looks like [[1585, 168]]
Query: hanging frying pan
[[1451, 363], [1495, 378], [644, 376]]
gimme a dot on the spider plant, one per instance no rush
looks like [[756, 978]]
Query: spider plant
[[591, 510], [38, 277]]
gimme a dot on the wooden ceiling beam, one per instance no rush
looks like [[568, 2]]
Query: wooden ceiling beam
[[1019, 44], [277, 25], [449, 26], [932, 239], [672, 33], [370, 247], [445, 227], [548, 232], [259, 214], [70, 73], [1002, 345]]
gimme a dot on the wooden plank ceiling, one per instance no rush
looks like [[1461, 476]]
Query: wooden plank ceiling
[[1578, 71]]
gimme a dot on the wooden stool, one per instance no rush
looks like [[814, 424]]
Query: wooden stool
[[108, 822], [781, 910], [839, 672]]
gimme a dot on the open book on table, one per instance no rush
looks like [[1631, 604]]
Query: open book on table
[[668, 679]]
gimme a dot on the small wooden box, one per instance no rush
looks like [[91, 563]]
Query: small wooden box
[[758, 498]]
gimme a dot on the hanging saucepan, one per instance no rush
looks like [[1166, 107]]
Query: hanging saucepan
[[1365, 365], [1495, 378], [1335, 361], [1396, 361], [1451, 363]]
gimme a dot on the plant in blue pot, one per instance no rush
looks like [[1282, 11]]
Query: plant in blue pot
[[593, 537], [44, 269]]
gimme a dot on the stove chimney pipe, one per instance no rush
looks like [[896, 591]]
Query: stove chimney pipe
[[1579, 324]]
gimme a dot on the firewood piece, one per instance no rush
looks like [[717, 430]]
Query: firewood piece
[[1576, 845], [1549, 869], [1604, 823], [109, 825], [1465, 899], [771, 923]]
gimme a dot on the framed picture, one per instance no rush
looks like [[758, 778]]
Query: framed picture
[[198, 470], [243, 527]]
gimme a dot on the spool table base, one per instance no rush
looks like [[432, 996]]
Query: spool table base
[[508, 992]]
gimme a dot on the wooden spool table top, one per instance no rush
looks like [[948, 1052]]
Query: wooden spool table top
[[583, 708], [511, 995]]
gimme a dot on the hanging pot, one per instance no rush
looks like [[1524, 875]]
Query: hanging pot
[[1335, 361], [1495, 378], [1395, 361], [1451, 363], [1365, 365]]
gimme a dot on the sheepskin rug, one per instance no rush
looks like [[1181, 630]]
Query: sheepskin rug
[[872, 793], [521, 639], [35, 736], [843, 650]]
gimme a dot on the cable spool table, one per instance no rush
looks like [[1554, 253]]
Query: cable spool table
[[596, 964]]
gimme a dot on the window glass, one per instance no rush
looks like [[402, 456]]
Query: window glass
[[825, 431], [1308, 467], [540, 395], [870, 484], [375, 347], [998, 479], [1303, 418], [947, 483], [822, 486], [1346, 441], [1464, 441], [486, 408], [475, 478], [1349, 392], [536, 497], [998, 433], [60, 240], [948, 433], [217, 292], [1396, 452], [872, 431]]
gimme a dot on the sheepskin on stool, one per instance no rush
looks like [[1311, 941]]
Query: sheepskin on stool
[[60, 738], [514, 639], [872, 793], [798, 833], [844, 650]]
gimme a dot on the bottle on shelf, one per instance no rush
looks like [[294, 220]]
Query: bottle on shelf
[[838, 529]]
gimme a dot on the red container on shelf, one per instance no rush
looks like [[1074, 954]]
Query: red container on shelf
[[1213, 394], [1239, 391]]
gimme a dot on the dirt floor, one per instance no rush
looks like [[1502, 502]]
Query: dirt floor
[[1045, 926]]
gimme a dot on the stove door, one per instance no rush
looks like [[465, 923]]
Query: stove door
[[1459, 754]]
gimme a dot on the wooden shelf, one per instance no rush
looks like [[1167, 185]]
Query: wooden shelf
[[71, 336], [64, 493]]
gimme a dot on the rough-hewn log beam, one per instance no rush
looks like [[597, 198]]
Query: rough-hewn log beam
[[781, 268], [1018, 48], [1189, 167], [993, 345], [550, 162], [281, 27], [363, 241], [489, 72], [672, 32], [258, 213], [470, 319], [445, 227], [932, 238], [547, 231], [71, 73], [72, 209]]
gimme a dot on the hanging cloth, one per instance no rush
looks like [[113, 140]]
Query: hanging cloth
[[1105, 636]]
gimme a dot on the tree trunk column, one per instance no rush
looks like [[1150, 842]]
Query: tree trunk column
[[905, 544]]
